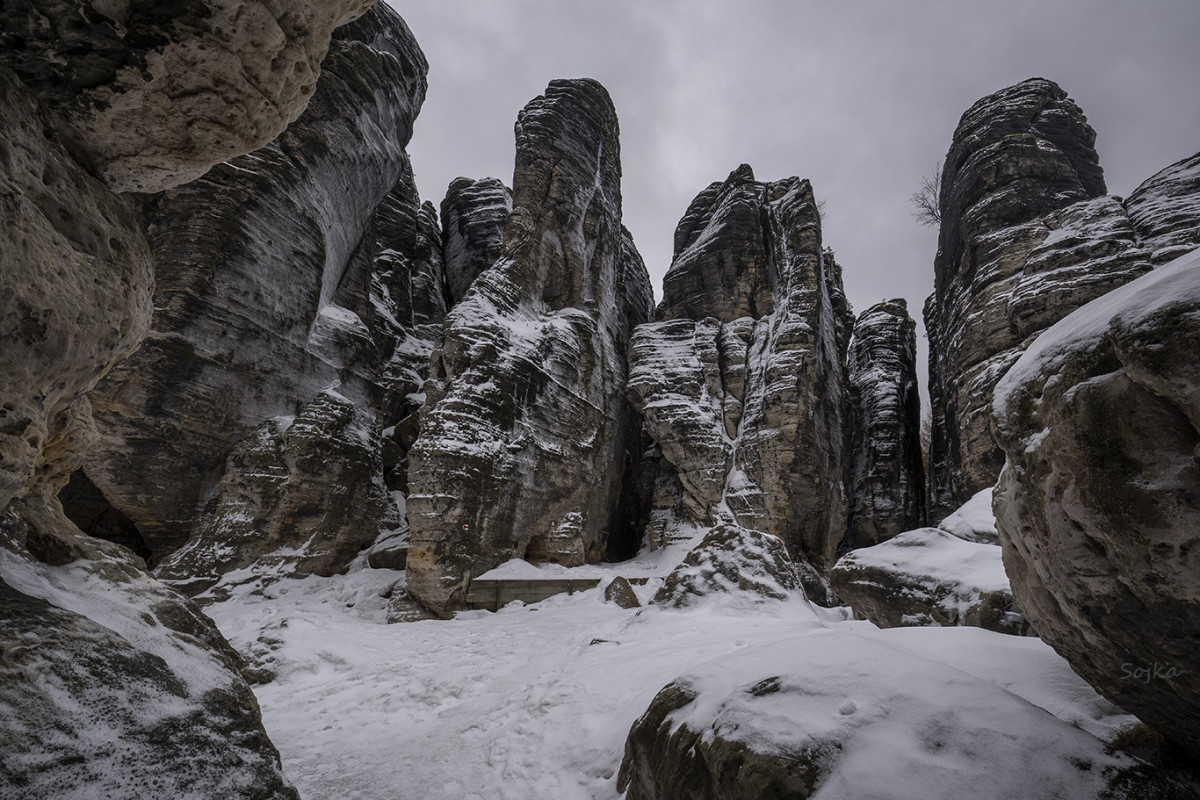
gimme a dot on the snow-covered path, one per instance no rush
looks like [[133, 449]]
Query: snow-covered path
[[535, 702]]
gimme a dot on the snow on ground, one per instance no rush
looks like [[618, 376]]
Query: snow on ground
[[535, 702]]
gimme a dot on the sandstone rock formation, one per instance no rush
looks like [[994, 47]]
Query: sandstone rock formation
[[526, 438], [305, 265], [302, 494], [1027, 235], [928, 577], [1098, 507], [473, 217], [152, 95], [887, 484], [743, 382], [74, 297], [112, 684]]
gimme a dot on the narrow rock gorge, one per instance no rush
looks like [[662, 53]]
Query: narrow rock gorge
[[241, 349]]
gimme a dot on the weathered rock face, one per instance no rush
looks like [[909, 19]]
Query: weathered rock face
[[473, 217], [152, 95], [74, 297], [928, 577], [307, 264], [1165, 210], [1098, 507], [887, 484], [305, 494], [1027, 235], [112, 684], [526, 438], [743, 383]]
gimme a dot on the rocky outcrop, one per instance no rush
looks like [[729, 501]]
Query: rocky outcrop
[[151, 96], [473, 217], [928, 577], [887, 483], [1027, 235], [1098, 507], [74, 297], [743, 382], [526, 436], [307, 264], [1165, 210]]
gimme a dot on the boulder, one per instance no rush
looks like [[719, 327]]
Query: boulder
[[620, 592], [887, 482], [973, 521], [848, 716], [306, 264], [1027, 235], [928, 577], [150, 96], [742, 381], [1098, 507], [527, 442], [734, 564]]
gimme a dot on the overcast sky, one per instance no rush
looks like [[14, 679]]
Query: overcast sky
[[859, 96]]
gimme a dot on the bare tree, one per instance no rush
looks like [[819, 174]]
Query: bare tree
[[928, 199]]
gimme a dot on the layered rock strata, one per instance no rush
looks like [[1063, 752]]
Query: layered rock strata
[[743, 382], [473, 217], [526, 438], [1098, 506], [308, 264], [887, 483], [1027, 235], [150, 95], [1165, 210]]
